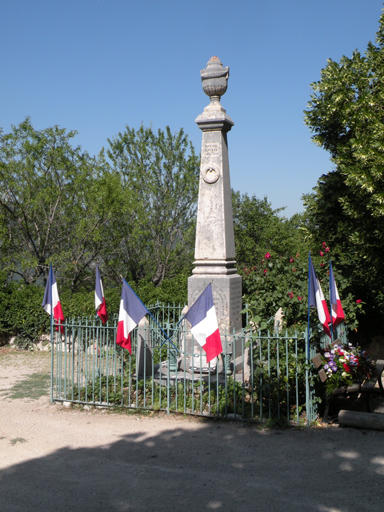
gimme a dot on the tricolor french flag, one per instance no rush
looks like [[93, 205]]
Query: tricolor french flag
[[316, 299], [336, 307], [101, 308], [132, 310], [204, 326], [51, 302]]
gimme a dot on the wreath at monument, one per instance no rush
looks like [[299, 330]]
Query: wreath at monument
[[344, 365]]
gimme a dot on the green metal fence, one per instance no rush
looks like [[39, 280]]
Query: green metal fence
[[258, 377]]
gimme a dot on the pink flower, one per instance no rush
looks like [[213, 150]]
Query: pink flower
[[321, 253], [290, 294], [324, 244], [358, 301], [291, 260], [321, 264], [327, 249], [265, 271], [299, 298], [267, 256]]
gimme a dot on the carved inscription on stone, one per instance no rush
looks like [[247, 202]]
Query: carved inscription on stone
[[210, 152], [221, 302], [211, 149], [236, 302]]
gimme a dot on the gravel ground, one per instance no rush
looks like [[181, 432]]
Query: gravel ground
[[58, 459]]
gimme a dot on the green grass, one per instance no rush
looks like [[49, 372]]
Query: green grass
[[17, 440], [33, 387]]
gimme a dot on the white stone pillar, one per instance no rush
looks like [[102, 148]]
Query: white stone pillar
[[215, 243]]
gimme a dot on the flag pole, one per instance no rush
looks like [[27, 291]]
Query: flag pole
[[97, 266], [331, 297], [309, 306], [50, 287], [307, 395], [51, 322]]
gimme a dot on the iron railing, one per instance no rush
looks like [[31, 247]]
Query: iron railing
[[258, 377]]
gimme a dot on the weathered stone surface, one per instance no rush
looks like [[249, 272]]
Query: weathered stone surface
[[227, 295], [215, 242], [363, 420], [144, 353], [214, 78]]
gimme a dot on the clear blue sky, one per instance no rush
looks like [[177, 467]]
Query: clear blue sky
[[98, 65]]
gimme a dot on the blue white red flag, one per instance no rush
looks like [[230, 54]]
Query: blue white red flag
[[132, 310], [101, 308], [336, 307], [204, 326], [51, 301], [316, 299]]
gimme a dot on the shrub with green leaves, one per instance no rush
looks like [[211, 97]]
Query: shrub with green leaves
[[22, 315], [282, 282]]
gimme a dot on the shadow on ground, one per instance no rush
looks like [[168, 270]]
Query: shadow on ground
[[219, 466]]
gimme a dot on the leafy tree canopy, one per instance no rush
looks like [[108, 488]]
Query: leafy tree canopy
[[133, 213], [260, 229], [54, 202], [159, 172], [346, 115]]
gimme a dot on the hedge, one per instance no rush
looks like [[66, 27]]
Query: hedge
[[22, 315]]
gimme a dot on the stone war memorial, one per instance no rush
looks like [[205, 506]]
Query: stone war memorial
[[252, 375], [167, 368], [215, 242]]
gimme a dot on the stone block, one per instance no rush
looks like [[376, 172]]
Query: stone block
[[144, 353], [227, 297]]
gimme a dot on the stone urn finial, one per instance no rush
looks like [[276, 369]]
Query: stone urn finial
[[214, 79]]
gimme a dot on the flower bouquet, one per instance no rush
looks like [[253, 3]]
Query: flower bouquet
[[344, 365]]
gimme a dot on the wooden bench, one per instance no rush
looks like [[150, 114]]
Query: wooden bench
[[368, 390]]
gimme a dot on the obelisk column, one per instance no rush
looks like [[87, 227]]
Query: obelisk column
[[215, 242]]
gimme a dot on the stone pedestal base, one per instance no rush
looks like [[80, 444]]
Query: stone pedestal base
[[227, 295]]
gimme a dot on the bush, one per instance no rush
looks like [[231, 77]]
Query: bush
[[282, 281], [22, 315]]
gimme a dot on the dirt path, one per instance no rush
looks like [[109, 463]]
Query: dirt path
[[58, 459]]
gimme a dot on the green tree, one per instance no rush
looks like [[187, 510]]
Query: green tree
[[272, 253], [260, 229], [283, 283], [159, 174], [55, 205], [346, 115]]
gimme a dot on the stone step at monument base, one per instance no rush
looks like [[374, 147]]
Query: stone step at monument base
[[160, 376]]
